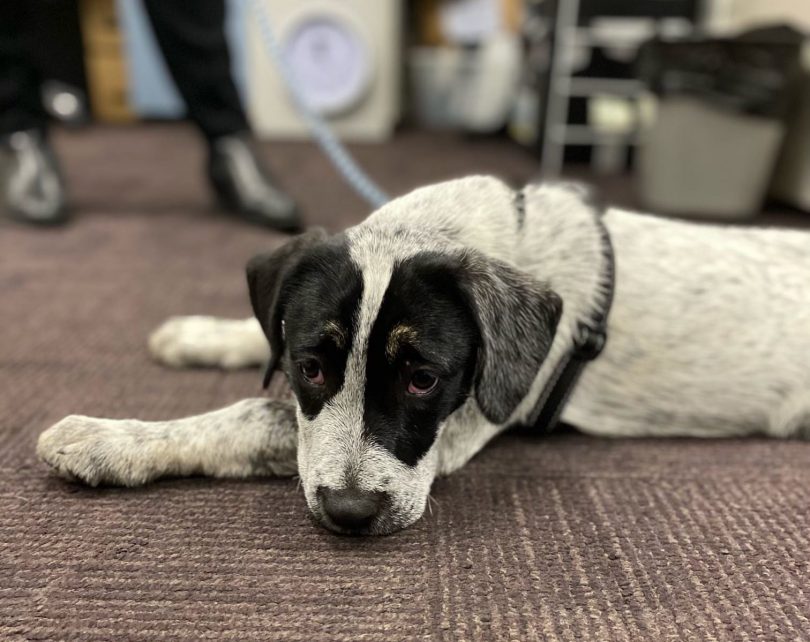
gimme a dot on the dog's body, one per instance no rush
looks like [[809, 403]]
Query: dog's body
[[421, 333]]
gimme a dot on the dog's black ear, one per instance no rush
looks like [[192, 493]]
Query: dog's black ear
[[517, 316], [266, 276]]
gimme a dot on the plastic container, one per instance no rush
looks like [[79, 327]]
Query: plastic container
[[720, 121], [701, 160]]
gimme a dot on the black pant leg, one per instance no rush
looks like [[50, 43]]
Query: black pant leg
[[20, 102], [192, 37]]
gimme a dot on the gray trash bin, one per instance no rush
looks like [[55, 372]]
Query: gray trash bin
[[701, 160], [719, 123]]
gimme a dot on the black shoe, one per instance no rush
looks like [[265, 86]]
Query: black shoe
[[31, 186], [244, 186]]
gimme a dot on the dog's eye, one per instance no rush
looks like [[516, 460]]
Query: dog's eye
[[312, 371], [422, 382]]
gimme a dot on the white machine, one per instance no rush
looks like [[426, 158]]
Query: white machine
[[345, 59]]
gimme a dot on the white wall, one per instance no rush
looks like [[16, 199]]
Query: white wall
[[724, 16]]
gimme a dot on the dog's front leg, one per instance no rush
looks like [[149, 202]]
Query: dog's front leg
[[251, 437], [211, 342]]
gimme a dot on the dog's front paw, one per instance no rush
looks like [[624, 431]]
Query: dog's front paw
[[96, 451], [200, 341]]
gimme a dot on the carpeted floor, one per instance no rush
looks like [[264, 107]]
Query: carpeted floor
[[564, 538]]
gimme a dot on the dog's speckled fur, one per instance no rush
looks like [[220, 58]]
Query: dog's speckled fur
[[709, 335]]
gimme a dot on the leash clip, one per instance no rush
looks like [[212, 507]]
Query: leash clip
[[589, 341]]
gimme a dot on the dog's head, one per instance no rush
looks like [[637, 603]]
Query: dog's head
[[382, 337]]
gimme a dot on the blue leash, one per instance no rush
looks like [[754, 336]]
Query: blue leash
[[326, 139]]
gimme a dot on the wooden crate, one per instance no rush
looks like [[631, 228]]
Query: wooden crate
[[428, 21], [106, 67], [100, 28], [109, 90]]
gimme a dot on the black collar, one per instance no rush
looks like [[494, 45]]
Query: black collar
[[589, 340]]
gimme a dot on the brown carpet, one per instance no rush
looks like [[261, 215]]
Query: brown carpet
[[563, 538]]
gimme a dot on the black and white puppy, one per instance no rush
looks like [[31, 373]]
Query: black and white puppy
[[413, 338]]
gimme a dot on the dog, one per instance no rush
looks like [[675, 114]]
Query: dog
[[415, 337]]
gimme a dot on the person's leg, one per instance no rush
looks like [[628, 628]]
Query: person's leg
[[192, 38], [31, 188], [20, 105]]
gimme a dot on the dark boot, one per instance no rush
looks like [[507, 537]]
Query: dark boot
[[245, 187], [31, 186]]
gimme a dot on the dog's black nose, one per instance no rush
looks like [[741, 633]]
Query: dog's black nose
[[351, 508]]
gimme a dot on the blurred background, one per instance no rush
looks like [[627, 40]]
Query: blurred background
[[685, 108], [696, 108]]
